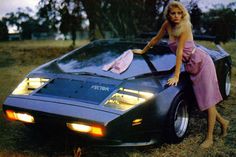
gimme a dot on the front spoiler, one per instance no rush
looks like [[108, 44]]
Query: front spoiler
[[50, 112], [61, 108]]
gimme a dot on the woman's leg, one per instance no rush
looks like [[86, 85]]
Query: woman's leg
[[223, 122], [210, 127], [213, 115]]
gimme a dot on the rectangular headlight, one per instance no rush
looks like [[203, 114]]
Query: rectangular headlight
[[86, 128], [24, 117], [127, 98], [28, 85]]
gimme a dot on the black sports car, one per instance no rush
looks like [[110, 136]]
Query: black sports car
[[133, 108]]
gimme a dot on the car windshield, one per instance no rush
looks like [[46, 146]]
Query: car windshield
[[91, 58]]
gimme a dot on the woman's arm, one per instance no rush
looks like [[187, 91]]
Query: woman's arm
[[154, 40], [179, 55]]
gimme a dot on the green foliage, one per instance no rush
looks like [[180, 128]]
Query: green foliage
[[25, 23], [64, 13], [124, 19], [3, 31], [195, 14], [220, 22], [47, 13]]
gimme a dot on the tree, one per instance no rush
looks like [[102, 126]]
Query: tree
[[3, 31], [124, 19], [160, 8], [196, 15], [48, 14], [70, 18], [25, 24], [220, 22], [94, 11], [63, 15]]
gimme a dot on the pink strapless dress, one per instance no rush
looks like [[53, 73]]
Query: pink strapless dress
[[202, 72]]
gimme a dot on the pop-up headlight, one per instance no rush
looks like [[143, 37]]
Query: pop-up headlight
[[127, 98], [28, 85]]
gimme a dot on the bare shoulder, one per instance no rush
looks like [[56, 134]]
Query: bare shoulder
[[162, 31], [165, 24], [187, 27]]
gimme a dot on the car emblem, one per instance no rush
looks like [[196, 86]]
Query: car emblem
[[100, 88]]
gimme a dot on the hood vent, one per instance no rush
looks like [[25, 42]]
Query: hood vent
[[85, 91]]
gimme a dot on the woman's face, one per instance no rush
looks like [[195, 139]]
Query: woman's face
[[175, 15]]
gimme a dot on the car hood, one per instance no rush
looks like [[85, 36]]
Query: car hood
[[95, 89], [91, 88], [70, 65], [87, 89]]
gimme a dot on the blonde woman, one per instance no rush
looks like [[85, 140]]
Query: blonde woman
[[197, 63]]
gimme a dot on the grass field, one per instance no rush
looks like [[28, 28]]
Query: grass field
[[20, 57]]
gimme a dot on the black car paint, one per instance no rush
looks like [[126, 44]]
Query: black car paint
[[153, 112]]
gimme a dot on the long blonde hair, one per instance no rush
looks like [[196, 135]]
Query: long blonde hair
[[177, 29]]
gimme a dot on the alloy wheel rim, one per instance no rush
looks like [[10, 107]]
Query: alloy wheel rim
[[227, 84], [181, 119]]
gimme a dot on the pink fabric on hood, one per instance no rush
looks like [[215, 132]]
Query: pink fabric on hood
[[121, 63]]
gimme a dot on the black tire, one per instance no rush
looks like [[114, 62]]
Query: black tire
[[177, 121], [226, 84]]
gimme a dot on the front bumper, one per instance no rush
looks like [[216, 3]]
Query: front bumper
[[56, 114]]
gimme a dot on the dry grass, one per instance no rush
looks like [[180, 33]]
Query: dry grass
[[18, 58], [41, 43]]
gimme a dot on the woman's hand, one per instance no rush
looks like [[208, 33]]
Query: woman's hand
[[173, 81], [137, 51]]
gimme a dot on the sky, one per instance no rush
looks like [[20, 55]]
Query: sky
[[207, 4], [7, 6]]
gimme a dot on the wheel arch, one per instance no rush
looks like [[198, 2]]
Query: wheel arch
[[164, 101], [226, 70]]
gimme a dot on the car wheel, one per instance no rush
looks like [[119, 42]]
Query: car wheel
[[226, 84], [178, 119]]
